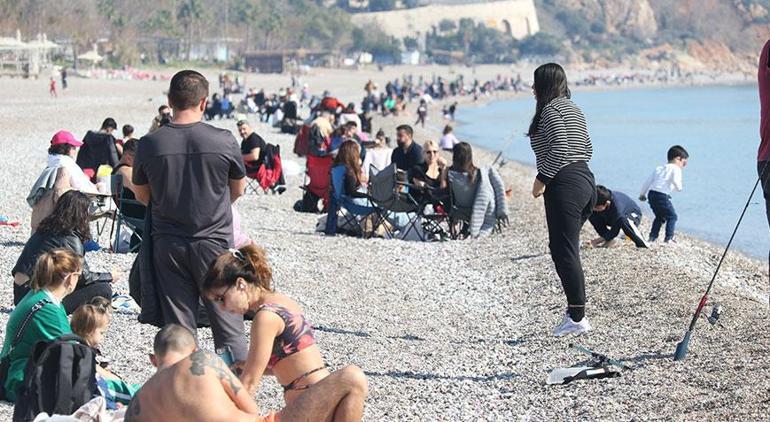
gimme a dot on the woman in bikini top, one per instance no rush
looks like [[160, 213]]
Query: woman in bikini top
[[282, 342]]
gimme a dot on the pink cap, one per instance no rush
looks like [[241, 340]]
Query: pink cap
[[64, 137]]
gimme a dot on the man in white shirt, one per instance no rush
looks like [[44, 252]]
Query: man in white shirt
[[662, 182]]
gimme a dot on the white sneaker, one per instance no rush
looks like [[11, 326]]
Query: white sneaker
[[568, 326]]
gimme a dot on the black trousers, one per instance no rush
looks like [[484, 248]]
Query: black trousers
[[569, 201], [763, 170], [181, 265], [72, 301]]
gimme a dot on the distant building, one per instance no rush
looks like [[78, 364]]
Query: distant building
[[214, 49], [518, 18], [286, 60], [410, 57], [19, 58], [265, 61]]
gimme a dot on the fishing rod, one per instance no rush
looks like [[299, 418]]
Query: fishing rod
[[682, 346], [508, 143]]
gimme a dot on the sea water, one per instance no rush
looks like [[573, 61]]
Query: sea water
[[631, 131]]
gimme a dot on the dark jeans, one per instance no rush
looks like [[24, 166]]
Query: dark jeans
[[763, 170], [664, 213], [181, 265], [72, 301], [569, 201]]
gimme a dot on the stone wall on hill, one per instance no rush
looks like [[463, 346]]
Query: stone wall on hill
[[515, 17]]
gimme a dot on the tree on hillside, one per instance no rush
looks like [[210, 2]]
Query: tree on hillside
[[189, 14]]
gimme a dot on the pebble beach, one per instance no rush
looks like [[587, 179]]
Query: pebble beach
[[456, 330]]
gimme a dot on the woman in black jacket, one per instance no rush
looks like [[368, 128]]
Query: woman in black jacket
[[562, 147], [67, 227]]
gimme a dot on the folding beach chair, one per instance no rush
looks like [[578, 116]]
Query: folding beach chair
[[461, 195], [101, 211], [317, 178], [269, 175], [435, 220], [124, 219], [392, 197], [352, 213]]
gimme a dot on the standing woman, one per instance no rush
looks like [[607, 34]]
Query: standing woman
[[562, 150]]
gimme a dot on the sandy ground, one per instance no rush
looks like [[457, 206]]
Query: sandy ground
[[450, 330]]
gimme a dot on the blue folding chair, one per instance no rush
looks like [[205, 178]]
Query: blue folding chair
[[340, 201]]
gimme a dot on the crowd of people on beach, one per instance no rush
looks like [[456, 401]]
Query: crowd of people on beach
[[206, 282], [195, 269]]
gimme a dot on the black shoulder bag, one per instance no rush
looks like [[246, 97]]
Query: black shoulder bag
[[5, 362]]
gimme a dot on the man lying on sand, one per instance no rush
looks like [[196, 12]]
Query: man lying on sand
[[195, 385]]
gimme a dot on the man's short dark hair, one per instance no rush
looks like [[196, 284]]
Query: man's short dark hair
[[161, 108], [129, 147], [109, 123], [127, 130], [172, 338], [242, 122], [406, 128], [602, 195], [677, 151], [351, 124], [187, 89]]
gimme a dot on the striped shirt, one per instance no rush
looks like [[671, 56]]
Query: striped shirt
[[561, 138]]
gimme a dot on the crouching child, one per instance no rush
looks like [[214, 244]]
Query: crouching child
[[613, 212]]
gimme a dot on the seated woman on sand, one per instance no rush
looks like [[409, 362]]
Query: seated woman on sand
[[355, 177], [488, 206], [448, 139], [40, 316], [60, 175], [427, 175], [66, 228], [378, 153], [282, 342]]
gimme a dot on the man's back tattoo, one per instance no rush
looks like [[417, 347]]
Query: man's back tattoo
[[202, 359]]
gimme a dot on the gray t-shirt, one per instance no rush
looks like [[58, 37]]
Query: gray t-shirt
[[188, 168]]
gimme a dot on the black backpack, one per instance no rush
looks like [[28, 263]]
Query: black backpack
[[59, 378]]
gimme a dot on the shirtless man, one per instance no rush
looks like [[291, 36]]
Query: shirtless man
[[195, 385]]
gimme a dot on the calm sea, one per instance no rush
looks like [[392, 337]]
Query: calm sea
[[631, 131]]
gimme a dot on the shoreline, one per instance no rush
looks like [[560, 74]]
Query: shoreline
[[759, 257]]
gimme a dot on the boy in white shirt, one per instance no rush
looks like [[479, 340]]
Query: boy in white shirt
[[658, 188]]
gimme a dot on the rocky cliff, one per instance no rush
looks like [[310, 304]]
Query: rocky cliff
[[693, 34]]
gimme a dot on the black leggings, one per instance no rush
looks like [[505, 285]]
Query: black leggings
[[569, 201], [763, 170], [80, 296]]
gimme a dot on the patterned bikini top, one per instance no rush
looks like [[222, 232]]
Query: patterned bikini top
[[297, 334]]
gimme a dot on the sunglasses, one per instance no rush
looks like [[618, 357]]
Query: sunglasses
[[431, 152], [220, 299]]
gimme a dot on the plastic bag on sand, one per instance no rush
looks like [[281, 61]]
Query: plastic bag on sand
[[93, 411]]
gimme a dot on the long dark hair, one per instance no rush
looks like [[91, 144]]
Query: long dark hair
[[70, 215], [550, 83], [462, 160], [350, 156]]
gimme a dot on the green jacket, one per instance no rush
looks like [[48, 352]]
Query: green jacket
[[48, 323]]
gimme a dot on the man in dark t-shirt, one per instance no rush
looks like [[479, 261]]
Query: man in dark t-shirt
[[252, 147], [408, 154], [190, 173]]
